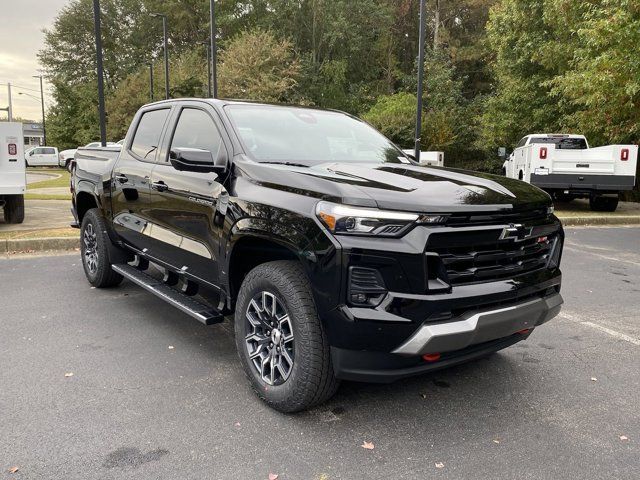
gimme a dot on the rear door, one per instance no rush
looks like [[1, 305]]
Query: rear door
[[186, 230], [49, 156], [12, 171], [131, 176]]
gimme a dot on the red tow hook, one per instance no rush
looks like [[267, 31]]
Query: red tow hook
[[431, 357], [524, 331]]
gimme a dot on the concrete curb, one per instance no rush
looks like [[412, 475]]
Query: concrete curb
[[598, 221], [38, 244]]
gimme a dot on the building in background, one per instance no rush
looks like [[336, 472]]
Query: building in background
[[33, 134]]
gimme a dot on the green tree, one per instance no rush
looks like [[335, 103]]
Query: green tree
[[256, 65]]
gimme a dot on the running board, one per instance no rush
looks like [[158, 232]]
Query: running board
[[188, 305]]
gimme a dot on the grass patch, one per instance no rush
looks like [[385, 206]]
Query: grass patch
[[62, 181], [30, 234], [42, 196]]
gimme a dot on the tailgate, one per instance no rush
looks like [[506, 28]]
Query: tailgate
[[584, 162]]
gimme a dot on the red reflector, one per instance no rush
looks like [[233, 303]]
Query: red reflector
[[542, 239], [624, 154], [431, 357], [524, 332], [543, 153]]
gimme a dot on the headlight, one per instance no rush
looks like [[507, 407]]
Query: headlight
[[343, 219]]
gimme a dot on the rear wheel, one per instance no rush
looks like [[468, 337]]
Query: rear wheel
[[603, 204], [14, 209], [280, 339], [94, 247]]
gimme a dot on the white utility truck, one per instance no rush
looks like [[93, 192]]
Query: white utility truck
[[428, 159], [13, 178], [567, 168]]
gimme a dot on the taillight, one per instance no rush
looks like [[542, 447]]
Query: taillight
[[543, 153], [624, 154]]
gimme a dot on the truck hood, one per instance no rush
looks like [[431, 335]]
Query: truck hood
[[396, 186]]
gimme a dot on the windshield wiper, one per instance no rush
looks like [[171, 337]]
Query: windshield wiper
[[289, 164]]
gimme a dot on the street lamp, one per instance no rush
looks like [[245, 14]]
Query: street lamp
[[423, 27], [44, 128], [166, 51]]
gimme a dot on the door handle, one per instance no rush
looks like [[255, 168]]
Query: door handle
[[122, 178], [160, 186]]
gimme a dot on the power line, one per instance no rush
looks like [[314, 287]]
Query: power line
[[21, 87]]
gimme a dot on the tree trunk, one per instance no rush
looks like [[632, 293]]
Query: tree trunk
[[436, 26]]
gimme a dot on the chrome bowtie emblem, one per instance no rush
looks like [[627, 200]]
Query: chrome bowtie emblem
[[515, 232]]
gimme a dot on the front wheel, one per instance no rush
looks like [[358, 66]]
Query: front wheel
[[94, 247], [280, 340]]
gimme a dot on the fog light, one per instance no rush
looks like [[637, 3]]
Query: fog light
[[359, 298]]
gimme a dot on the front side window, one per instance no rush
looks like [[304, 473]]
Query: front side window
[[196, 129], [274, 134], [147, 136]]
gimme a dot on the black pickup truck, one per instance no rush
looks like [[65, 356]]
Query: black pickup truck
[[338, 255]]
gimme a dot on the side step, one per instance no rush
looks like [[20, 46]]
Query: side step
[[188, 305]]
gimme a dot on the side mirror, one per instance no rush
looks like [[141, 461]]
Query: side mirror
[[197, 160]]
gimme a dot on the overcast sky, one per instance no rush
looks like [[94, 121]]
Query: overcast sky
[[20, 39]]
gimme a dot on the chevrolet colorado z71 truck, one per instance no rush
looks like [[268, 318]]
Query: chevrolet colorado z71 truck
[[339, 257]]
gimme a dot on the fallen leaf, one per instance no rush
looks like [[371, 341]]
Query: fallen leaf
[[68, 374], [367, 445], [170, 347], [495, 440], [439, 465], [14, 469], [624, 438], [273, 476], [594, 379]]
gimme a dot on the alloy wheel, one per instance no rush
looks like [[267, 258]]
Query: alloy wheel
[[269, 338], [90, 240]]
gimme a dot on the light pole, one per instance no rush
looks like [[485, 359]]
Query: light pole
[[423, 28], [214, 53], [100, 72], [39, 99], [166, 51], [44, 128], [151, 81]]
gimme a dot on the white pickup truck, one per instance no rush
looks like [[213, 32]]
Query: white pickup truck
[[567, 168], [13, 178]]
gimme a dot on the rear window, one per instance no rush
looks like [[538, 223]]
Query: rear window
[[147, 137], [562, 143]]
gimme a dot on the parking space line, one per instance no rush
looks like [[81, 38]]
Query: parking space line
[[606, 257], [613, 333]]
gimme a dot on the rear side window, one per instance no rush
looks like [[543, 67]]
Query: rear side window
[[48, 151], [196, 129], [147, 137]]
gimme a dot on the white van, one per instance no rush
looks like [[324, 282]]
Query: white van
[[13, 178], [565, 166], [42, 156]]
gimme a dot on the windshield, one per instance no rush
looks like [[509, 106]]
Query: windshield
[[309, 137], [563, 143]]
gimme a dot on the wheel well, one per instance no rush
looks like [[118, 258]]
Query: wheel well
[[250, 252], [84, 203]]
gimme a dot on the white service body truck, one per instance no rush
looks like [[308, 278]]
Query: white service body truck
[[13, 177], [567, 168], [428, 159]]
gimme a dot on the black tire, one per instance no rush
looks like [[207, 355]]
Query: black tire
[[311, 380], [14, 209], [603, 204], [94, 249]]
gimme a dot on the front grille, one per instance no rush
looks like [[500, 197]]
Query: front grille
[[494, 260], [497, 218]]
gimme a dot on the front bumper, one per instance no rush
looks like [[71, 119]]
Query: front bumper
[[481, 327], [469, 336]]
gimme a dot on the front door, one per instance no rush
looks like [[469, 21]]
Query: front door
[[131, 176], [186, 230]]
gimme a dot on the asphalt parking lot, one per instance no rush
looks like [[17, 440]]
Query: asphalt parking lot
[[156, 395]]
